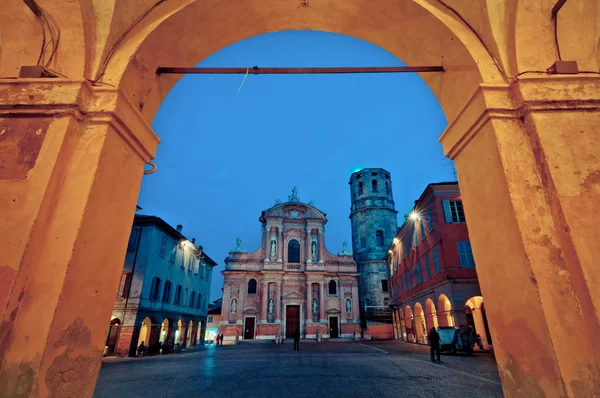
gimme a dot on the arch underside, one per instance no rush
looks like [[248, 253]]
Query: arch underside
[[200, 28]]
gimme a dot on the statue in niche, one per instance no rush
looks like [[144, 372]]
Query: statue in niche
[[273, 250], [313, 249], [315, 306], [234, 306], [348, 305], [271, 306]]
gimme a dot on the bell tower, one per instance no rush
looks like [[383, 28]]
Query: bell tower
[[374, 224]]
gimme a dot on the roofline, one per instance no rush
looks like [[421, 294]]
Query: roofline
[[141, 219]]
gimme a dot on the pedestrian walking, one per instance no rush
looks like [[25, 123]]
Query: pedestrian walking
[[297, 340], [479, 342], [237, 337], [434, 341]]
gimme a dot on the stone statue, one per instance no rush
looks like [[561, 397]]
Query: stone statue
[[348, 305], [271, 306], [311, 203], [238, 247], [313, 250], [233, 306], [345, 249], [273, 246], [294, 196], [315, 306], [277, 201]]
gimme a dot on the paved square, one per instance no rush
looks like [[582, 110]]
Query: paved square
[[373, 369]]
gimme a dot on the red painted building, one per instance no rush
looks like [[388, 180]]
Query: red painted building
[[433, 278]]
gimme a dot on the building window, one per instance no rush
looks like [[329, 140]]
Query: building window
[[173, 253], [177, 295], [466, 254], [415, 238], [453, 211], [132, 241], [252, 286], [427, 266], [163, 246], [124, 285], [379, 238], [384, 285], [422, 229], [190, 262], [193, 300], [387, 187], [436, 261], [200, 302], [332, 287], [167, 292], [360, 188], [293, 251], [374, 185], [155, 289], [420, 271], [185, 297], [210, 319], [429, 220]]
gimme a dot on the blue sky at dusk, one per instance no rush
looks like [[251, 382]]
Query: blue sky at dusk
[[226, 156]]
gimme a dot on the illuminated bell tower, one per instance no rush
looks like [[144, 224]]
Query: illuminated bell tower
[[374, 224]]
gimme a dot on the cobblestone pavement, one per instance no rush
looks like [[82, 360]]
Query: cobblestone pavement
[[368, 369]]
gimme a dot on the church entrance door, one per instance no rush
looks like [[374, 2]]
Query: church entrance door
[[292, 320], [249, 329], [333, 327]]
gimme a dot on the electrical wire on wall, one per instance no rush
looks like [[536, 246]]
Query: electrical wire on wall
[[112, 50], [50, 35]]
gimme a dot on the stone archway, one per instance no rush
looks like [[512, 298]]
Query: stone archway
[[523, 143], [444, 311], [420, 327], [410, 324], [430, 315]]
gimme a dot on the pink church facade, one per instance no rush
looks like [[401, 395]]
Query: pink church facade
[[291, 282]]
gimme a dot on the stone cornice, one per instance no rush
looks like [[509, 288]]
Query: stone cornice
[[529, 93], [81, 100]]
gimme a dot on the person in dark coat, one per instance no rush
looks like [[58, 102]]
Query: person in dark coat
[[434, 340], [297, 340]]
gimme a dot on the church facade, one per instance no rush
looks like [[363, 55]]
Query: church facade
[[291, 282]]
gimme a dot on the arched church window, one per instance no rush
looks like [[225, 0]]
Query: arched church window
[[332, 287], [293, 251], [360, 188], [387, 187], [374, 185], [379, 238], [252, 286]]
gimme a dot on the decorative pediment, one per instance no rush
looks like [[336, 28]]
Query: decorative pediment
[[293, 295], [332, 311], [251, 310]]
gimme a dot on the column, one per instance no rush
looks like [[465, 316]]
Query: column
[[355, 302], [528, 164], [322, 304], [280, 249], [321, 237], [307, 246], [264, 300], [65, 226], [277, 297], [480, 326], [309, 316], [266, 241]]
